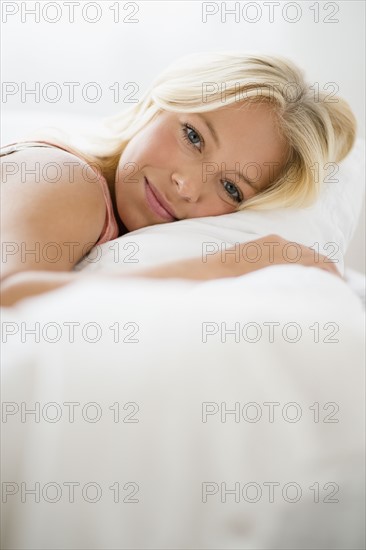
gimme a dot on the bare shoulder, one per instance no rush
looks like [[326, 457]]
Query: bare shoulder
[[47, 165], [51, 195], [41, 172]]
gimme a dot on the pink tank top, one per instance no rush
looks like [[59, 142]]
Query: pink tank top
[[110, 229]]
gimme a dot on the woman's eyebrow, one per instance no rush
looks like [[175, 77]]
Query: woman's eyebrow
[[248, 181], [211, 128]]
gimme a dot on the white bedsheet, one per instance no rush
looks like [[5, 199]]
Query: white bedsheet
[[171, 457]]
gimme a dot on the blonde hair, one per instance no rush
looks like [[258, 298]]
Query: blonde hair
[[318, 131]]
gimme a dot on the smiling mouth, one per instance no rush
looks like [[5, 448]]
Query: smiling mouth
[[156, 203]]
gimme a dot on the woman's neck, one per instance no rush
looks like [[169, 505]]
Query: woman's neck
[[110, 178]]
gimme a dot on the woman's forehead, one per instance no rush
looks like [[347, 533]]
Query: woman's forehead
[[248, 129]]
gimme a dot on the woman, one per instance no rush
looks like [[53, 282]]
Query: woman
[[213, 134]]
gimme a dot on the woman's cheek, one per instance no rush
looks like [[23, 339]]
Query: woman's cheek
[[155, 147], [163, 150]]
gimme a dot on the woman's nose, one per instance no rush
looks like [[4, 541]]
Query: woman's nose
[[188, 189]]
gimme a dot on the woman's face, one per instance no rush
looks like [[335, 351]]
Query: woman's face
[[195, 165]]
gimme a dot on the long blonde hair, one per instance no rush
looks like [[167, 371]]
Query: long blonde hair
[[318, 129]]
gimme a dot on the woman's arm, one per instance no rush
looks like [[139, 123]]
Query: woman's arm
[[269, 250], [215, 266]]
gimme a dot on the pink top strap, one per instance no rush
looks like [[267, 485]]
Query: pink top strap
[[110, 229]]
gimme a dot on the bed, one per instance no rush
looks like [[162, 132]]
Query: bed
[[175, 414]]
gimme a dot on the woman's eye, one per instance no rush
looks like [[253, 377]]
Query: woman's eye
[[191, 136], [233, 191]]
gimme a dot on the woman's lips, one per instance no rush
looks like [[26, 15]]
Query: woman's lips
[[156, 205]]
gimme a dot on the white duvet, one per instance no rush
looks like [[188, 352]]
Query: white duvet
[[170, 414], [132, 444]]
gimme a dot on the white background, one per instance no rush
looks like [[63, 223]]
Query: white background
[[326, 39]]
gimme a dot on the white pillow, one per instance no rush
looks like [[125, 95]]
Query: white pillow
[[327, 226]]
